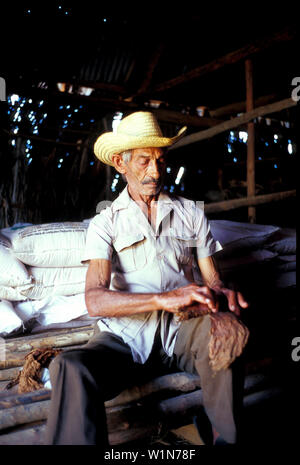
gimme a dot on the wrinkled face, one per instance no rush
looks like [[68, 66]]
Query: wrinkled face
[[145, 171]]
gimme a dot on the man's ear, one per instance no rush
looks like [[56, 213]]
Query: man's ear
[[119, 163]]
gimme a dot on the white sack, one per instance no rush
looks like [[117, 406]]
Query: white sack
[[50, 245], [59, 309], [56, 281], [17, 293], [84, 320], [54, 309], [10, 232], [12, 271], [235, 236], [28, 309], [9, 321], [284, 242]]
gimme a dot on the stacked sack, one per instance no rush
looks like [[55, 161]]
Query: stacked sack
[[41, 267], [243, 244], [256, 254], [42, 278], [283, 243]]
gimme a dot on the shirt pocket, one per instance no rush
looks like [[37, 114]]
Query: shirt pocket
[[182, 244], [131, 253]]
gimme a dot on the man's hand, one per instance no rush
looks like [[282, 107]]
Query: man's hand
[[212, 279], [183, 297], [235, 299]]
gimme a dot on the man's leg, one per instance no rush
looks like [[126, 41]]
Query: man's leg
[[82, 380], [191, 354]]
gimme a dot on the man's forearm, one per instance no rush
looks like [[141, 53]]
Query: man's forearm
[[210, 273], [106, 303]]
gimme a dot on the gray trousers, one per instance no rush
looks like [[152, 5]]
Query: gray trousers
[[83, 379]]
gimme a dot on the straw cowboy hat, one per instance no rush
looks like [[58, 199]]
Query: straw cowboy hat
[[138, 130]]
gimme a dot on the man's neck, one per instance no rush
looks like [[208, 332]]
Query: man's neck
[[140, 199], [147, 203]]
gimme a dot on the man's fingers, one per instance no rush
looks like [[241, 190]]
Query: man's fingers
[[242, 302], [232, 302], [206, 297]]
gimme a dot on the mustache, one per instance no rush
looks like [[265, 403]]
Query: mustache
[[152, 181]]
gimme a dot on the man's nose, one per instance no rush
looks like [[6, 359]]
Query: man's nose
[[153, 169]]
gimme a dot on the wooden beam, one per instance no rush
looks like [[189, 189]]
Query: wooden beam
[[56, 339], [182, 381], [250, 140], [42, 139], [125, 423], [235, 122], [240, 107], [184, 119], [120, 90], [154, 59], [10, 373], [113, 104], [217, 207], [229, 59]]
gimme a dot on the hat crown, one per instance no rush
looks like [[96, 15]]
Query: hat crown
[[140, 124]]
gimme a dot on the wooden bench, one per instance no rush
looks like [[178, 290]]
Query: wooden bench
[[144, 411]]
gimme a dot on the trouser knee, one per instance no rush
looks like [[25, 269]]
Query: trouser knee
[[68, 361]]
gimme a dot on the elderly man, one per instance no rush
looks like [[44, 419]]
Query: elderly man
[[142, 273]]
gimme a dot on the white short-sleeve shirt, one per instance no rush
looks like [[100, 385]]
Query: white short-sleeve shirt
[[145, 260]]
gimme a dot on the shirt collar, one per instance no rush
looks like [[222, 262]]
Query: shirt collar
[[124, 200]]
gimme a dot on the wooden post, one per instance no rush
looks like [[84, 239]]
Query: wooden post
[[108, 169], [251, 140]]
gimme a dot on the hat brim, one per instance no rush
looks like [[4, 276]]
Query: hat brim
[[111, 143]]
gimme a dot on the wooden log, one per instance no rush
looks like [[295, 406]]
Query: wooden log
[[9, 400], [10, 373], [57, 339], [173, 382], [45, 332], [184, 119], [228, 59], [125, 425], [255, 382], [34, 435], [133, 434], [43, 139], [13, 359], [235, 122], [231, 204], [153, 61], [240, 107], [119, 90], [181, 404], [16, 359], [3, 384], [262, 396], [23, 414], [250, 140], [29, 436], [119, 417]]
